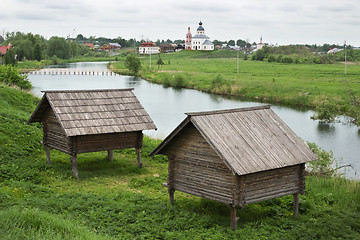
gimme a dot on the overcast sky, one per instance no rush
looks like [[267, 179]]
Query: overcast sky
[[277, 21]]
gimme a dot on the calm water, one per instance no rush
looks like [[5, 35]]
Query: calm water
[[167, 106]]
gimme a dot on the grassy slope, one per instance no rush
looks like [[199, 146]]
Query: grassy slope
[[291, 84], [117, 200]]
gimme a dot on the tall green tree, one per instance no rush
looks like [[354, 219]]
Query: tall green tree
[[231, 43], [37, 52], [58, 46], [241, 43], [132, 63], [9, 58], [160, 63], [24, 49]]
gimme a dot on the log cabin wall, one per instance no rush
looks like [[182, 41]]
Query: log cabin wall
[[198, 170], [54, 135], [104, 142], [275, 183]]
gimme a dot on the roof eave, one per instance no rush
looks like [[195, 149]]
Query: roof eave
[[168, 139], [36, 110]]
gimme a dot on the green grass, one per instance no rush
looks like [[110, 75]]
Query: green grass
[[291, 84], [117, 200]]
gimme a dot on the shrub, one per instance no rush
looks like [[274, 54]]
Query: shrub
[[326, 112], [271, 58], [179, 81], [322, 166], [12, 76], [287, 59], [217, 81], [55, 60], [132, 63]]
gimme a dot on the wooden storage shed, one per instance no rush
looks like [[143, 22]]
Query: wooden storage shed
[[237, 157], [80, 121]]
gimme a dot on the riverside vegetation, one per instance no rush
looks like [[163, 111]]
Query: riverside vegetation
[[117, 200], [301, 85]]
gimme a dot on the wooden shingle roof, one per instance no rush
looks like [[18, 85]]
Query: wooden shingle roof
[[87, 112], [248, 140]]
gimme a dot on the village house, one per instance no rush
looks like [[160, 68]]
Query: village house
[[149, 48], [3, 50], [90, 45], [110, 47], [165, 48], [237, 157]]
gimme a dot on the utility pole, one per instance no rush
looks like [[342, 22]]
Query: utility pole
[[345, 55], [237, 61], [150, 59]]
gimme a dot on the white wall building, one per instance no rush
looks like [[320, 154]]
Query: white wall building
[[200, 41], [149, 48]]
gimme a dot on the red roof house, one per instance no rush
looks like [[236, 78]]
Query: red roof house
[[3, 49]]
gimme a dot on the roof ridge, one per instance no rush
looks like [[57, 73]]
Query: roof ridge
[[228, 110], [89, 90]]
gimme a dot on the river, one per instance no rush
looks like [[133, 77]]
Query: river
[[167, 106]]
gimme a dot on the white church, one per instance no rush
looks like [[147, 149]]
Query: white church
[[198, 42]]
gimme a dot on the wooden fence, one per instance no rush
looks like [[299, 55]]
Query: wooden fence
[[69, 71]]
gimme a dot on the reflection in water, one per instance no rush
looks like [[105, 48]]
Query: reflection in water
[[216, 98], [326, 128], [133, 81], [167, 106]]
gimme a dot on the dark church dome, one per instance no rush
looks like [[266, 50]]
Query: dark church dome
[[200, 28]]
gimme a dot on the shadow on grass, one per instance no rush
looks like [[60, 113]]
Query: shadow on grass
[[96, 164]]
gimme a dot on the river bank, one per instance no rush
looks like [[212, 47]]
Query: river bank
[[117, 200], [299, 85]]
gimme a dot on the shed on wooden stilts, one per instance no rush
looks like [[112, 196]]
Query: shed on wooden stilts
[[237, 157], [80, 121]]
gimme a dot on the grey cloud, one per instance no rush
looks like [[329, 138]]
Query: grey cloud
[[24, 15]]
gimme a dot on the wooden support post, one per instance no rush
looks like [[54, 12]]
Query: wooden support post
[[111, 155], [138, 157], [171, 195], [233, 218], [296, 205], [170, 178], [73, 159], [47, 151]]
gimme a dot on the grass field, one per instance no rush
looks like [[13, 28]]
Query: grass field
[[290, 84], [117, 200]]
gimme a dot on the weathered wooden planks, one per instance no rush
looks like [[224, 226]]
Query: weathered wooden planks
[[80, 121], [236, 157]]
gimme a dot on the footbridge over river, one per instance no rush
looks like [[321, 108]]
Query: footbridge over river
[[69, 71]]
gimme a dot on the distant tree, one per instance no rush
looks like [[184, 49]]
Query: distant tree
[[80, 37], [179, 41], [24, 49], [231, 43], [241, 43], [132, 63], [325, 48], [120, 41], [160, 62], [37, 52], [1, 39], [259, 55], [9, 58], [59, 47], [73, 49]]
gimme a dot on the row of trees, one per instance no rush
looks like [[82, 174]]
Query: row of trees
[[302, 54], [36, 47]]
